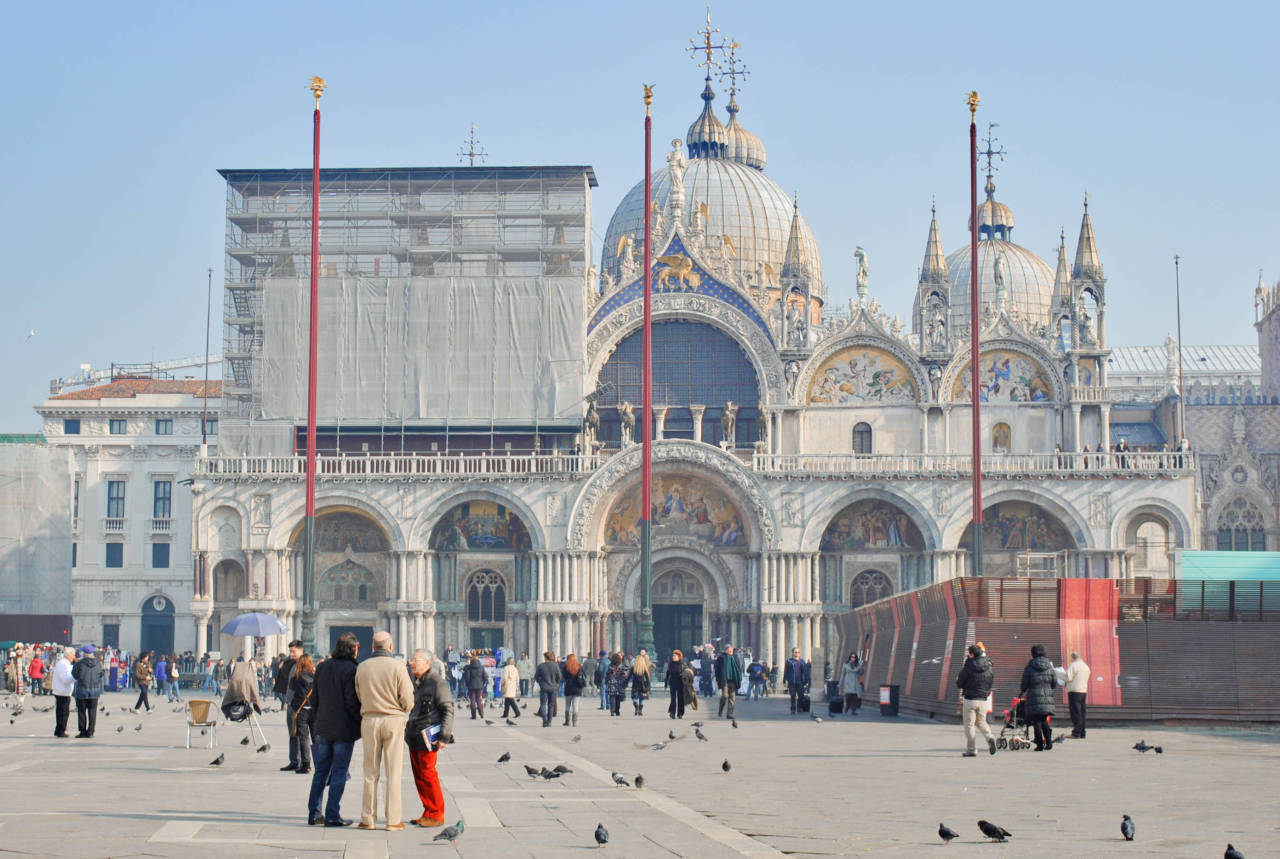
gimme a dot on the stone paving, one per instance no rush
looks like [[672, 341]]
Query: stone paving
[[840, 787]]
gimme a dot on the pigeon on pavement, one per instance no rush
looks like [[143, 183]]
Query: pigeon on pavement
[[505, 756], [549, 774], [120, 729], [639, 782], [450, 833], [671, 735], [1142, 746], [510, 724], [245, 741], [816, 718], [946, 833], [577, 738], [602, 835], [1232, 853], [1126, 828], [264, 748], [533, 772], [621, 780], [733, 721], [561, 768], [138, 727], [217, 762], [488, 722], [698, 724], [995, 833], [726, 766], [702, 738]]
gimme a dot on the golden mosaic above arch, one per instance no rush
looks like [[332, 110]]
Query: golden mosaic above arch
[[862, 374]]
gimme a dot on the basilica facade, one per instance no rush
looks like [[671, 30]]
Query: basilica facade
[[479, 471]]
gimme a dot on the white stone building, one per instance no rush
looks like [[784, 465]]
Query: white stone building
[[133, 442]]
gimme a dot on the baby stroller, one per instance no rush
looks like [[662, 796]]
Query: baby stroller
[[1015, 734]]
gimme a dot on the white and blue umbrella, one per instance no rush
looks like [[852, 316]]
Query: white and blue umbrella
[[254, 624]]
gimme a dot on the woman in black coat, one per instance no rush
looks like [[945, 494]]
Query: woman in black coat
[[674, 681], [1038, 688], [301, 705]]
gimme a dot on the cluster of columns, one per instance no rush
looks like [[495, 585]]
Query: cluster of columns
[[568, 577], [791, 578], [780, 632]]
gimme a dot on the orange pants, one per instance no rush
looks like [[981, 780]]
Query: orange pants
[[427, 780]]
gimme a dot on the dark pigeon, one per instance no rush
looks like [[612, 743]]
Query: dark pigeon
[[1126, 828], [488, 722], [504, 757], [726, 766], [702, 738], [1232, 853], [510, 724], [602, 835], [245, 741], [264, 748], [698, 724], [217, 762], [450, 833], [995, 833], [946, 833], [1142, 746], [671, 735], [639, 782], [549, 774], [120, 729], [561, 768], [533, 772]]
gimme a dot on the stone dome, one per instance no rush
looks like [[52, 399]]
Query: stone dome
[[1028, 282]]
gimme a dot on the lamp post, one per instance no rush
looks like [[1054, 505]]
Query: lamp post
[[644, 634], [309, 522], [975, 292]]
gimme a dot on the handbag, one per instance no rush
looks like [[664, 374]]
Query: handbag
[[293, 723]]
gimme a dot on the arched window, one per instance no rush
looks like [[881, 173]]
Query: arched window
[[486, 598], [862, 437], [869, 586], [349, 582], [1001, 438], [1241, 528]]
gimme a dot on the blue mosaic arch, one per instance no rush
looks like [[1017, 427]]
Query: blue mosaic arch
[[707, 286]]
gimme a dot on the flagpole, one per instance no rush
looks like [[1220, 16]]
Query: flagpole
[[1182, 402], [309, 521], [644, 637], [975, 293]]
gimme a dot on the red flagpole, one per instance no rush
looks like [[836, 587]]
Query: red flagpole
[[309, 521], [645, 632], [975, 292]]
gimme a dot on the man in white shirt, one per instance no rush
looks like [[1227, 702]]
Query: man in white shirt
[[1077, 689], [63, 687]]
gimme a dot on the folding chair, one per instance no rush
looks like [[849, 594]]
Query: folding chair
[[198, 717]]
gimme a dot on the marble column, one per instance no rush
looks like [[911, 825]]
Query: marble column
[[1104, 425], [570, 635], [542, 636], [697, 412], [660, 421]]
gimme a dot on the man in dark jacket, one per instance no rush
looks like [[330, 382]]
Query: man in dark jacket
[[473, 680], [975, 681], [1038, 687], [335, 725], [432, 706], [548, 678], [797, 678], [729, 677], [281, 688], [88, 676]]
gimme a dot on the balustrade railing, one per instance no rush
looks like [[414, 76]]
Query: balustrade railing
[[1056, 464], [396, 466]]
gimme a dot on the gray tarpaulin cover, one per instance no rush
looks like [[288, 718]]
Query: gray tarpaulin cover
[[466, 350], [35, 529]]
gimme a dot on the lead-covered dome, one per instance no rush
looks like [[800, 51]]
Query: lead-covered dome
[[725, 170], [1028, 282]]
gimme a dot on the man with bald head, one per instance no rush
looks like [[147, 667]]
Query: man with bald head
[[386, 697]]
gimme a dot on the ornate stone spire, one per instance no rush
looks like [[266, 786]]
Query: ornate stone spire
[[707, 137], [1087, 263], [795, 264], [934, 267], [1062, 277]]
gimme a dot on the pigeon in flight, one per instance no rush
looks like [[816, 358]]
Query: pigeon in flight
[[30, 334], [245, 741], [702, 738], [532, 771], [602, 835], [506, 756], [995, 833], [946, 833], [1126, 828], [217, 762], [450, 833], [620, 780], [1232, 853], [639, 782]]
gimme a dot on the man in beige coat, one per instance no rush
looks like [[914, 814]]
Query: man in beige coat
[[386, 697]]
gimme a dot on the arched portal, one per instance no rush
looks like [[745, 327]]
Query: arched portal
[[1022, 539], [679, 608], [230, 585], [353, 567], [877, 533], [486, 609], [157, 625]]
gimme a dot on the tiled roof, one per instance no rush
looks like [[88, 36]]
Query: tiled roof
[[127, 388], [1151, 360]]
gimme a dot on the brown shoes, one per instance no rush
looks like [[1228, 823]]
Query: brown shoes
[[363, 825], [395, 827], [425, 821]]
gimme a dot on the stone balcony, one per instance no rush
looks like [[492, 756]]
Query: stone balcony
[[398, 467], [1056, 465]]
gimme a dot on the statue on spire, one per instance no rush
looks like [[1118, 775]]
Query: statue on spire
[[864, 272]]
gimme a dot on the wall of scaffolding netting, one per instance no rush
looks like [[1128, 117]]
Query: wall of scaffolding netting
[[35, 530]]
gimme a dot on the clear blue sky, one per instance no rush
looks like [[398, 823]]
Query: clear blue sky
[[116, 117]]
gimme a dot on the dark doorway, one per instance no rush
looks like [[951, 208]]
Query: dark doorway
[[676, 626], [363, 634], [157, 625], [486, 638]]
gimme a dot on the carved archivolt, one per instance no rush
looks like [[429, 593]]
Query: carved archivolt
[[605, 483], [666, 550]]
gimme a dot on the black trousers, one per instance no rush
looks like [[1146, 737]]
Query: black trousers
[[87, 715], [61, 710], [143, 700], [1076, 701], [1043, 733], [795, 697], [677, 701], [510, 705]]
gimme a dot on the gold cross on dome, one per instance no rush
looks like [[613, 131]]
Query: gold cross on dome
[[734, 68], [708, 47]]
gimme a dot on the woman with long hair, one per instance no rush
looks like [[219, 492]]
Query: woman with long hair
[[615, 682], [302, 685], [575, 680], [641, 671], [675, 684]]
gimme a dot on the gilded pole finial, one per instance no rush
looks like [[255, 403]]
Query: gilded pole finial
[[648, 97], [972, 100], [317, 88]]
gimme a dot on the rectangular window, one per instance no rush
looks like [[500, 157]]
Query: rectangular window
[[115, 555], [211, 426], [115, 499], [119, 426], [160, 556], [162, 503], [71, 426], [164, 426], [73, 556]]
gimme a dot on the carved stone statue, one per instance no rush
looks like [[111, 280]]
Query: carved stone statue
[[936, 325], [999, 270], [864, 271], [728, 424], [627, 264], [797, 330], [896, 327], [627, 414], [792, 372], [1088, 336], [935, 379], [591, 422], [762, 426], [675, 170]]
